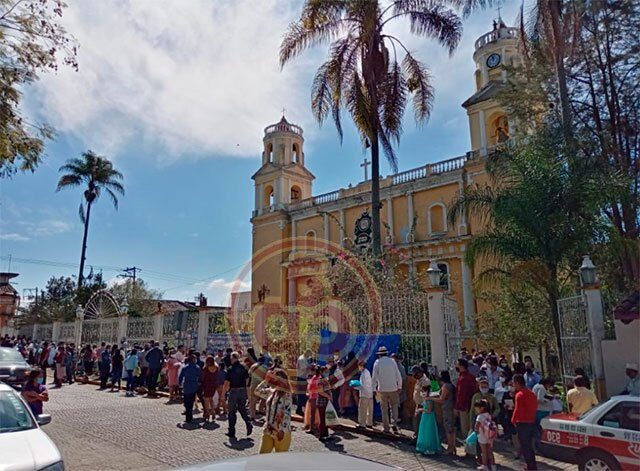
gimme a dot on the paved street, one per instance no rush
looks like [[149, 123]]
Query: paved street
[[98, 430]]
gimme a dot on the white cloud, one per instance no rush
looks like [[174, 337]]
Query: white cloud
[[236, 285], [13, 236], [190, 77]]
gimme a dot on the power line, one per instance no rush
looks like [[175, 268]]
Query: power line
[[169, 277]]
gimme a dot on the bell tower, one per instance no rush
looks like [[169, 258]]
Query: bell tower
[[489, 123], [283, 178], [282, 181]]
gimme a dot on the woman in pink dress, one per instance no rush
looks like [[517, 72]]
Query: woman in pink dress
[[173, 367]]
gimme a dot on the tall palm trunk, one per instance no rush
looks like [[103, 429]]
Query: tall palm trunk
[[555, 12], [375, 194], [84, 245]]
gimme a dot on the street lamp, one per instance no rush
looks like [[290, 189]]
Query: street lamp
[[587, 271], [435, 274], [124, 308], [79, 312]]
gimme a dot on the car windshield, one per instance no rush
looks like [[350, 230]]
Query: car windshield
[[593, 409], [14, 415], [9, 354]]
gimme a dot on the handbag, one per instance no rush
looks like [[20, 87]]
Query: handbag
[[331, 416], [137, 371]]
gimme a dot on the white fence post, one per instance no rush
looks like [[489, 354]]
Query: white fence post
[[203, 330], [78, 333], [122, 328], [55, 331], [593, 298], [157, 327], [437, 330]]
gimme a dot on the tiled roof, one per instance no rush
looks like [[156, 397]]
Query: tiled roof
[[168, 306], [485, 93]]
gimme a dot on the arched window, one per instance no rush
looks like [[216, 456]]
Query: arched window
[[295, 153], [445, 282], [268, 151], [268, 196], [437, 219], [296, 193], [499, 129], [311, 241]]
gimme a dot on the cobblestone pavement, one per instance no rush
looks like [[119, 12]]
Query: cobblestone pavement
[[97, 430]]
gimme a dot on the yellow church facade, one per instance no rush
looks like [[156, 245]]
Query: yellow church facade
[[414, 202]]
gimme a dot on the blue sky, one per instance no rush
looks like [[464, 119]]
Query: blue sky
[[178, 97]]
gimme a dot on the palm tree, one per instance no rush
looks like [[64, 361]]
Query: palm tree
[[541, 212], [369, 72], [98, 174]]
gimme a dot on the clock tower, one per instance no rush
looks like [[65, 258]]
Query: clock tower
[[489, 123]]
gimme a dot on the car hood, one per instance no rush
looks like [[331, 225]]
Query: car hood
[[27, 450], [292, 461]]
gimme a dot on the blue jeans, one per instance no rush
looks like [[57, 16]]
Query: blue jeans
[[130, 381]]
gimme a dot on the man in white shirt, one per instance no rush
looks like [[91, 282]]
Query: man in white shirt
[[387, 383], [302, 366], [365, 403]]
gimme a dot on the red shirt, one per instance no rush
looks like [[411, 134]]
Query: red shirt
[[465, 389], [526, 405]]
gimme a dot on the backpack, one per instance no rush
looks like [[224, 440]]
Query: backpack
[[490, 428]]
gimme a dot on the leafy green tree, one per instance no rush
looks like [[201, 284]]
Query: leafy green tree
[[370, 72], [98, 174], [541, 208], [32, 42], [60, 298], [141, 299], [518, 316]]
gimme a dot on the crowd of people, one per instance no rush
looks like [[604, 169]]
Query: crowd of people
[[491, 398]]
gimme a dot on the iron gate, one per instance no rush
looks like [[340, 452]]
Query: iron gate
[[574, 335]]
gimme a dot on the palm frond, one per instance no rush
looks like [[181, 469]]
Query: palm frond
[[393, 101], [419, 85], [474, 201], [81, 213], [69, 180], [299, 38], [114, 198], [432, 20]]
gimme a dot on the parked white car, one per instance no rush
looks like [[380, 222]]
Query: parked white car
[[23, 444], [605, 438]]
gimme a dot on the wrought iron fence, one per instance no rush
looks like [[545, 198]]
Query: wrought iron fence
[[140, 329], [574, 335], [453, 334], [67, 332], [43, 332], [95, 331]]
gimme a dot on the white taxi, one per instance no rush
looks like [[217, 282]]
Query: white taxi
[[605, 438]]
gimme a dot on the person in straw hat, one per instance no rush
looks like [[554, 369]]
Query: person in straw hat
[[387, 383]]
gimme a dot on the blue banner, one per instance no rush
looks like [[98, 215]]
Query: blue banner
[[364, 346]]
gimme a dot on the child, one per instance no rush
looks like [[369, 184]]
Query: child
[[487, 432], [428, 441]]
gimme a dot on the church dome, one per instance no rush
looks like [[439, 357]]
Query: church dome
[[283, 126]]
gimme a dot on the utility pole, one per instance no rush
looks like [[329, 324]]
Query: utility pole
[[130, 272]]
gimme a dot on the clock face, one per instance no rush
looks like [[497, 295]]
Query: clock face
[[493, 60]]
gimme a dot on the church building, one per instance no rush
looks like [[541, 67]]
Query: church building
[[414, 202]]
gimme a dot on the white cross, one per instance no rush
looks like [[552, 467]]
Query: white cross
[[365, 165]]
